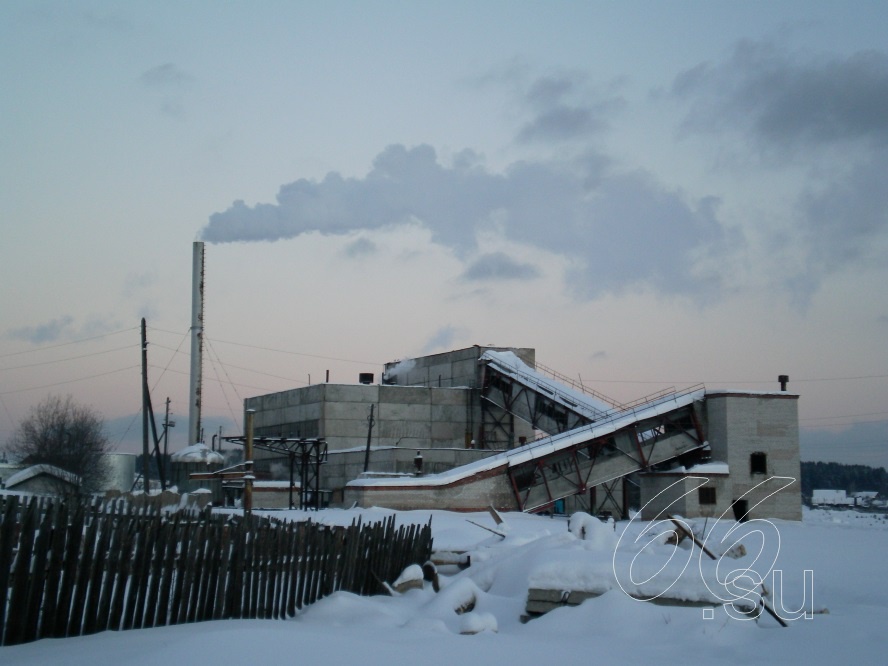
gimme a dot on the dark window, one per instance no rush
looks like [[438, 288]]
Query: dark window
[[758, 463], [707, 495]]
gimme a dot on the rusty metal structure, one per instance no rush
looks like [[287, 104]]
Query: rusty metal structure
[[594, 464], [305, 454], [600, 464]]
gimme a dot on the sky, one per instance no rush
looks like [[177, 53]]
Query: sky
[[649, 194]]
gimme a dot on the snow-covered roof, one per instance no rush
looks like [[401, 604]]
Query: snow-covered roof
[[826, 496], [508, 363], [197, 453], [37, 470]]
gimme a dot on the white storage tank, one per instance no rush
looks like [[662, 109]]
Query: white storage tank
[[121, 471]]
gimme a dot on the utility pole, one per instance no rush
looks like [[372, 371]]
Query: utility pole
[[145, 398], [370, 423], [248, 465], [167, 424]]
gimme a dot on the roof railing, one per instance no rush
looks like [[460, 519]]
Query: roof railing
[[576, 384]]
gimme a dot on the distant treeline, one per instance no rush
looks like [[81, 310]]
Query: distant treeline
[[836, 476]]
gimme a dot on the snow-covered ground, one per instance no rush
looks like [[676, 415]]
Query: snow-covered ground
[[844, 550]]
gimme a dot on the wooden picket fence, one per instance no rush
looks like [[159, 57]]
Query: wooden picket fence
[[71, 570]]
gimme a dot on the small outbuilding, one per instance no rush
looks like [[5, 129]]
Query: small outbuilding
[[827, 497], [44, 479]]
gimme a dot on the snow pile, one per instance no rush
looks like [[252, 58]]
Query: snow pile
[[588, 528], [476, 617], [475, 623]]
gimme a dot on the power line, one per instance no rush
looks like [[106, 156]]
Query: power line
[[212, 353], [70, 358], [733, 381], [284, 351], [6, 409], [69, 381], [129, 427], [163, 330], [259, 372], [842, 416], [249, 386], [841, 379], [236, 367], [65, 344], [279, 351], [849, 423], [175, 351]]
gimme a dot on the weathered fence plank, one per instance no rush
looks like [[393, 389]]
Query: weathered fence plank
[[84, 570], [7, 542], [235, 575], [37, 582], [223, 573], [15, 622], [192, 576], [168, 576], [143, 572], [54, 568], [73, 570], [112, 569], [138, 562], [73, 541], [158, 543]]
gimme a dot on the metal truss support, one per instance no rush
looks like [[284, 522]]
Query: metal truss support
[[529, 404], [604, 461], [305, 454]]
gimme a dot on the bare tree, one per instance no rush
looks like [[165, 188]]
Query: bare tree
[[63, 433]]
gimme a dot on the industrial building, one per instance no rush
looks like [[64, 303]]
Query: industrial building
[[429, 406], [488, 426]]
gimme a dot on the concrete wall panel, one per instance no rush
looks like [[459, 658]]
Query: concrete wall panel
[[336, 428], [454, 397], [358, 411], [361, 393], [404, 395], [395, 430], [448, 431], [310, 412], [405, 412], [448, 413]]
